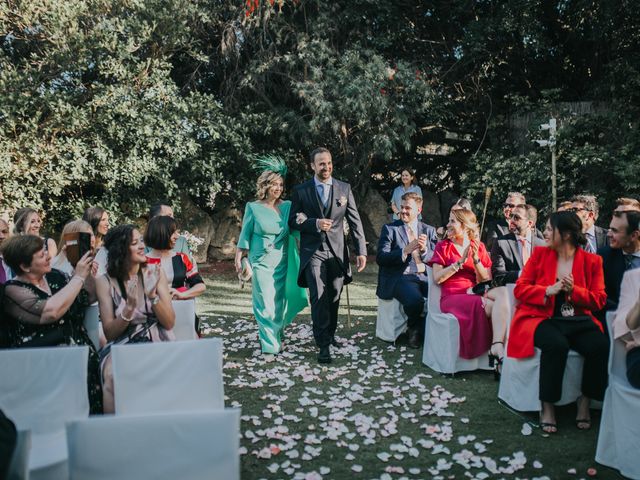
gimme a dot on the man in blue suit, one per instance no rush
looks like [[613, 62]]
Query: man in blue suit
[[403, 250]]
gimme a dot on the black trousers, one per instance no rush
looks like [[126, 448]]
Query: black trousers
[[411, 291], [633, 367], [8, 439], [325, 279], [555, 338]]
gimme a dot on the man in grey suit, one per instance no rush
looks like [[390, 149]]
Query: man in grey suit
[[586, 207], [318, 208], [511, 252]]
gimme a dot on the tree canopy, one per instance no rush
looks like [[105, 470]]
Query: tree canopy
[[119, 102]]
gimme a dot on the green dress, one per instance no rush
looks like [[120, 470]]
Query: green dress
[[274, 258]]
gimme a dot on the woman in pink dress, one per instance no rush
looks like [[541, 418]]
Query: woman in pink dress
[[460, 262]]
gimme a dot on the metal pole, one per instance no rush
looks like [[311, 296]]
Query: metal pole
[[554, 187]]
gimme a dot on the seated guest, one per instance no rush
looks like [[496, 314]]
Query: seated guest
[[408, 184], [403, 249], [501, 227], [134, 299], [181, 271], [163, 210], [586, 207], [626, 325], [42, 307], [5, 271], [512, 251], [559, 289], [27, 221], [624, 204], [98, 218], [459, 263], [565, 206], [461, 204], [622, 253]]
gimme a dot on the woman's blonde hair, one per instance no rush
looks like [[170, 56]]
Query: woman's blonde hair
[[468, 221], [265, 180], [72, 227]]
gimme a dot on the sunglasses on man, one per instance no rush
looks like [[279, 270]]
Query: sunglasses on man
[[512, 205]]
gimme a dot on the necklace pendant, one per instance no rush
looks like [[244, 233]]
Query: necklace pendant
[[567, 310]]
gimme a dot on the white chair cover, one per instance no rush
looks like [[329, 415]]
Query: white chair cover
[[520, 379], [391, 321], [92, 324], [184, 329], [442, 338], [41, 389], [619, 437], [185, 446], [168, 377]]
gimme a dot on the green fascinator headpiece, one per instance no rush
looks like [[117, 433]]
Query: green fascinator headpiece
[[271, 163]]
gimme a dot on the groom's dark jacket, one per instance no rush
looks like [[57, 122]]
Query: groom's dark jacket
[[306, 208]]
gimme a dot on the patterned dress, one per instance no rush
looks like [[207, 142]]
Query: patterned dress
[[22, 307]]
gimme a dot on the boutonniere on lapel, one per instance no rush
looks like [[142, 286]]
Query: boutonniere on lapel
[[300, 218], [342, 201]]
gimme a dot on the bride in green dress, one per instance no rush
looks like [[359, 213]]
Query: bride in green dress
[[273, 255]]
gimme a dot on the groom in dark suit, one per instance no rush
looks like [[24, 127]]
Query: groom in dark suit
[[403, 250], [318, 208]]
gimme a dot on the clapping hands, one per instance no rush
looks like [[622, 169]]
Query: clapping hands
[[564, 284], [151, 275]]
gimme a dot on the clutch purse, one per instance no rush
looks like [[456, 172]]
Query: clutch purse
[[246, 273], [483, 287]]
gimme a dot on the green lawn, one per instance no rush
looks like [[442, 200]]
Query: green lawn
[[376, 411]]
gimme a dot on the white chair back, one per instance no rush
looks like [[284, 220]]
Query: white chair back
[[92, 324], [42, 389], [391, 321], [188, 446], [442, 338], [184, 328], [618, 437], [168, 377]]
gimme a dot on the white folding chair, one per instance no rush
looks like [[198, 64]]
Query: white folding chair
[[184, 328], [618, 438], [168, 377], [520, 379], [92, 324], [188, 446], [41, 389], [391, 321], [442, 338]]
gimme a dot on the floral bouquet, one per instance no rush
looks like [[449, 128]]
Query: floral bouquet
[[192, 240]]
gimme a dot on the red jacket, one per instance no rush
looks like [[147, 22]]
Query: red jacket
[[540, 271]]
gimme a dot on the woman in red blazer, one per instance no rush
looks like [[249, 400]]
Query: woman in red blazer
[[559, 288]]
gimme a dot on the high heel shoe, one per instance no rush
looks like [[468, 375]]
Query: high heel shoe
[[495, 362]]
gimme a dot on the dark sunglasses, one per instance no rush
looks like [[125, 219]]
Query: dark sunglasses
[[515, 217], [578, 209], [512, 205]]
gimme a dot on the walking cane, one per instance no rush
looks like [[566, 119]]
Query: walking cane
[[487, 196], [345, 229]]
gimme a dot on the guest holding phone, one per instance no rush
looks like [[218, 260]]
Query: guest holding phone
[[134, 299], [559, 289], [70, 251], [43, 307]]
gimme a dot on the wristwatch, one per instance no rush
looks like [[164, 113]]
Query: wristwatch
[[155, 300], [476, 261]]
